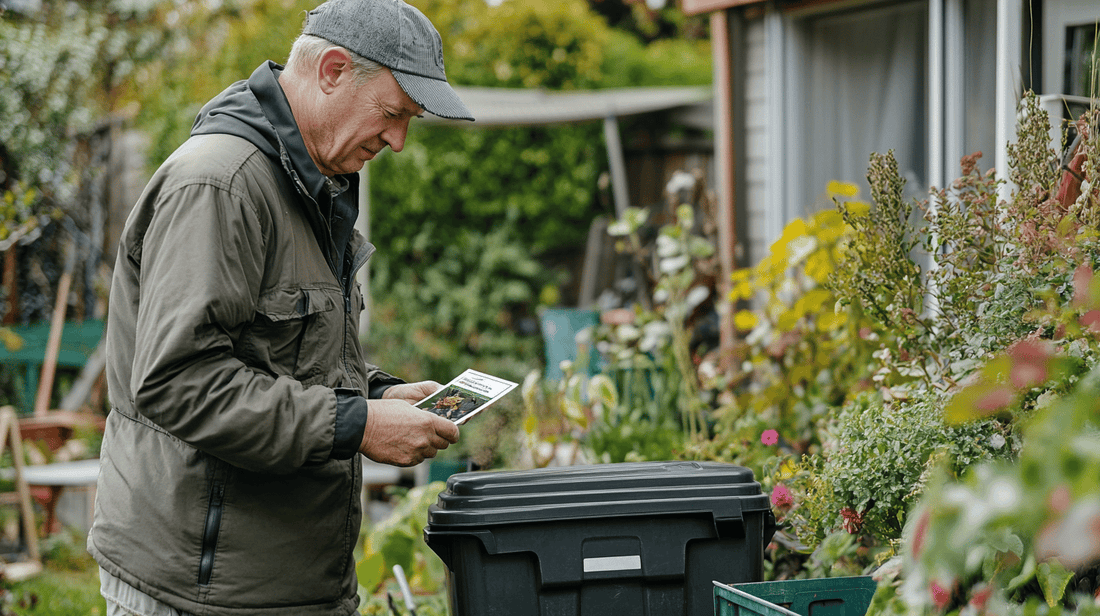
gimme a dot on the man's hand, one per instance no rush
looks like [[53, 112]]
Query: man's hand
[[411, 392], [400, 434]]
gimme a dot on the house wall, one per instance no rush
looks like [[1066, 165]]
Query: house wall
[[756, 163]]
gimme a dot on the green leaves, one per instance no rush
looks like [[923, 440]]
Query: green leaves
[[1053, 579], [398, 540]]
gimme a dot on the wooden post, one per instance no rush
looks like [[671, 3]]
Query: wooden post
[[722, 41], [53, 345], [9, 434], [11, 282]]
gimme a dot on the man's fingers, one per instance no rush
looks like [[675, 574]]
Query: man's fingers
[[438, 442], [447, 429]]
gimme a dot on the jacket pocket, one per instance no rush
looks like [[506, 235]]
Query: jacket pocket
[[282, 339], [213, 523]]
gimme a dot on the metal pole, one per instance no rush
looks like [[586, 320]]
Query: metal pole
[[618, 167]]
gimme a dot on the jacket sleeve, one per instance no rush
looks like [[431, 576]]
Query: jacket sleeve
[[201, 262]]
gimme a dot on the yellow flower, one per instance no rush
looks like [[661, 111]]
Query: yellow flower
[[745, 320], [858, 208], [814, 300], [819, 266], [788, 319], [795, 228], [740, 275], [740, 284], [842, 189], [787, 469], [831, 321], [827, 218], [741, 290]]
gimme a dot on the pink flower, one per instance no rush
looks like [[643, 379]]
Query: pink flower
[[769, 437], [1030, 359], [995, 399], [1082, 280], [921, 530], [1091, 321], [940, 595], [981, 596], [781, 496], [1060, 499]]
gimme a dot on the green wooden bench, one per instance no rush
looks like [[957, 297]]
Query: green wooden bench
[[78, 341]]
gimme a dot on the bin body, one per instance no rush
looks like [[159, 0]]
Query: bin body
[[639, 539]]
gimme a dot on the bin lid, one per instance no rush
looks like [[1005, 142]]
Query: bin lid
[[595, 491]]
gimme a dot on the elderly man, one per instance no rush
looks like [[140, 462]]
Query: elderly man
[[240, 394]]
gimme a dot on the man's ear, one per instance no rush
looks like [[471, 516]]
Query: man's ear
[[333, 69]]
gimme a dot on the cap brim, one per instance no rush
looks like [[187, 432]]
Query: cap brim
[[435, 96]]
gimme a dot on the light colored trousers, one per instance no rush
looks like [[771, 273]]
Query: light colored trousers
[[125, 600]]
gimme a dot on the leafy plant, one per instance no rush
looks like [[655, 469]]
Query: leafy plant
[[399, 540], [678, 267], [1008, 535], [876, 457]]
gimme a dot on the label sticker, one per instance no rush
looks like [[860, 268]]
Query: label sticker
[[613, 563]]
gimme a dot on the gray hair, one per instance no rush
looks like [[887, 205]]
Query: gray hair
[[307, 50]]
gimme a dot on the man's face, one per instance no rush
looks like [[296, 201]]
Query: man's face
[[357, 122]]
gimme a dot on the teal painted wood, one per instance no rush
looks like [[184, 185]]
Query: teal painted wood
[[78, 342], [559, 333], [729, 601], [843, 596]]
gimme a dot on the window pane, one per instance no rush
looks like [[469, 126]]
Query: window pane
[[864, 80], [1081, 64], [979, 81]]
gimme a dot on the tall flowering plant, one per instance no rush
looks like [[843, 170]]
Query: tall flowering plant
[[799, 355]]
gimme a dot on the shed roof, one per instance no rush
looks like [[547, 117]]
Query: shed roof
[[515, 107]]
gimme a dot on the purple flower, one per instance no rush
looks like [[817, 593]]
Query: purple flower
[[769, 437]]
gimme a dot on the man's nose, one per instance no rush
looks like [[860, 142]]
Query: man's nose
[[394, 136]]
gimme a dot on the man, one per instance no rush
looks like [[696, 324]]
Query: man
[[230, 476]]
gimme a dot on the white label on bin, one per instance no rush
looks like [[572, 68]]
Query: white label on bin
[[613, 563]]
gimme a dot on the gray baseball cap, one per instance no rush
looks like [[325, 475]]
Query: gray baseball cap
[[397, 36]]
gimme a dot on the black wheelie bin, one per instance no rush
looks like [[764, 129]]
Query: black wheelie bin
[[631, 539]]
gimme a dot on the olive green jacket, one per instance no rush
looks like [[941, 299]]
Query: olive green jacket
[[225, 484]]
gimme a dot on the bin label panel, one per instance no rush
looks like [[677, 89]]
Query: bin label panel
[[613, 563]]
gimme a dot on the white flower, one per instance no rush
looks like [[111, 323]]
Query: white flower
[[628, 332], [1004, 495], [667, 247], [800, 247], [681, 180], [696, 296]]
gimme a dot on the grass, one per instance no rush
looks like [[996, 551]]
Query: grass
[[56, 593], [67, 586]]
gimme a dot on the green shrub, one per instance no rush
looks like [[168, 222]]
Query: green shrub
[[399, 540], [1008, 538], [875, 459]]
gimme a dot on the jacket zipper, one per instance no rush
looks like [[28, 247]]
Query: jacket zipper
[[211, 527], [357, 261]]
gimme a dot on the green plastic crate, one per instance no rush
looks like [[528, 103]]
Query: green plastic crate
[[843, 596]]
